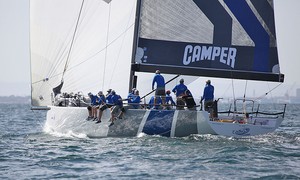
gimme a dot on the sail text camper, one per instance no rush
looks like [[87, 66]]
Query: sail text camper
[[225, 55]]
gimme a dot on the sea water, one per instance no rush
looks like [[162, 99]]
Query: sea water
[[27, 152]]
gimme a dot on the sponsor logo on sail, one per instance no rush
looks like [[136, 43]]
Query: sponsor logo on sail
[[225, 55]]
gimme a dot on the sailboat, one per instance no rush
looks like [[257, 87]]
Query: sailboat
[[82, 46]]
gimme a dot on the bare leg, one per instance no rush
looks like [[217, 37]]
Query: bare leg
[[90, 113], [112, 117], [120, 115], [99, 116], [93, 112], [163, 99]]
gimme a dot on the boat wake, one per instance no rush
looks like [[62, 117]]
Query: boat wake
[[69, 134]]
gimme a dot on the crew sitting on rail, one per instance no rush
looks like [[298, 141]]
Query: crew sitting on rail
[[117, 105], [90, 108], [135, 100], [108, 104], [130, 94], [100, 102]]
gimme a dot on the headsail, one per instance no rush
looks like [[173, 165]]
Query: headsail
[[216, 38], [100, 55]]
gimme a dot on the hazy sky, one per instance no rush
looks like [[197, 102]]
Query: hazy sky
[[14, 45]]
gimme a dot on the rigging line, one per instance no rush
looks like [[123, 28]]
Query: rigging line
[[63, 49], [264, 95], [100, 50], [105, 59], [89, 58], [39, 89], [245, 90], [165, 84], [233, 94], [60, 56], [68, 57], [44, 79], [272, 97], [244, 100]]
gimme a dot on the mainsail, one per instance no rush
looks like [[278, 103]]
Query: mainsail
[[215, 38]]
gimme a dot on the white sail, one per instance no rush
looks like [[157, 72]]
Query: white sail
[[96, 53]]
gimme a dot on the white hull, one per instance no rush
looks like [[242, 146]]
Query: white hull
[[170, 123], [254, 126]]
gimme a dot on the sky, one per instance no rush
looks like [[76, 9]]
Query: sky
[[15, 56]]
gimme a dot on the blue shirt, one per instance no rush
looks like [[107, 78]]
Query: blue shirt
[[108, 99], [169, 98], [101, 99], [129, 97], [117, 100], [158, 102], [94, 99], [179, 89], [208, 93], [159, 80], [136, 99]]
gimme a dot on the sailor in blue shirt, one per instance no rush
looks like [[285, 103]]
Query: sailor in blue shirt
[[208, 95], [107, 104], [135, 100], [154, 105], [94, 99], [108, 98], [117, 105], [160, 86], [96, 102], [91, 107], [169, 99], [116, 99], [130, 95], [101, 98], [179, 90]]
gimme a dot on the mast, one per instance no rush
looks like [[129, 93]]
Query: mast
[[133, 78]]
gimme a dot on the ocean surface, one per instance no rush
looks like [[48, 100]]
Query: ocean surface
[[27, 152]]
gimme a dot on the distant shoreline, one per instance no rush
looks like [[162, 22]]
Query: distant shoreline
[[15, 99]]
